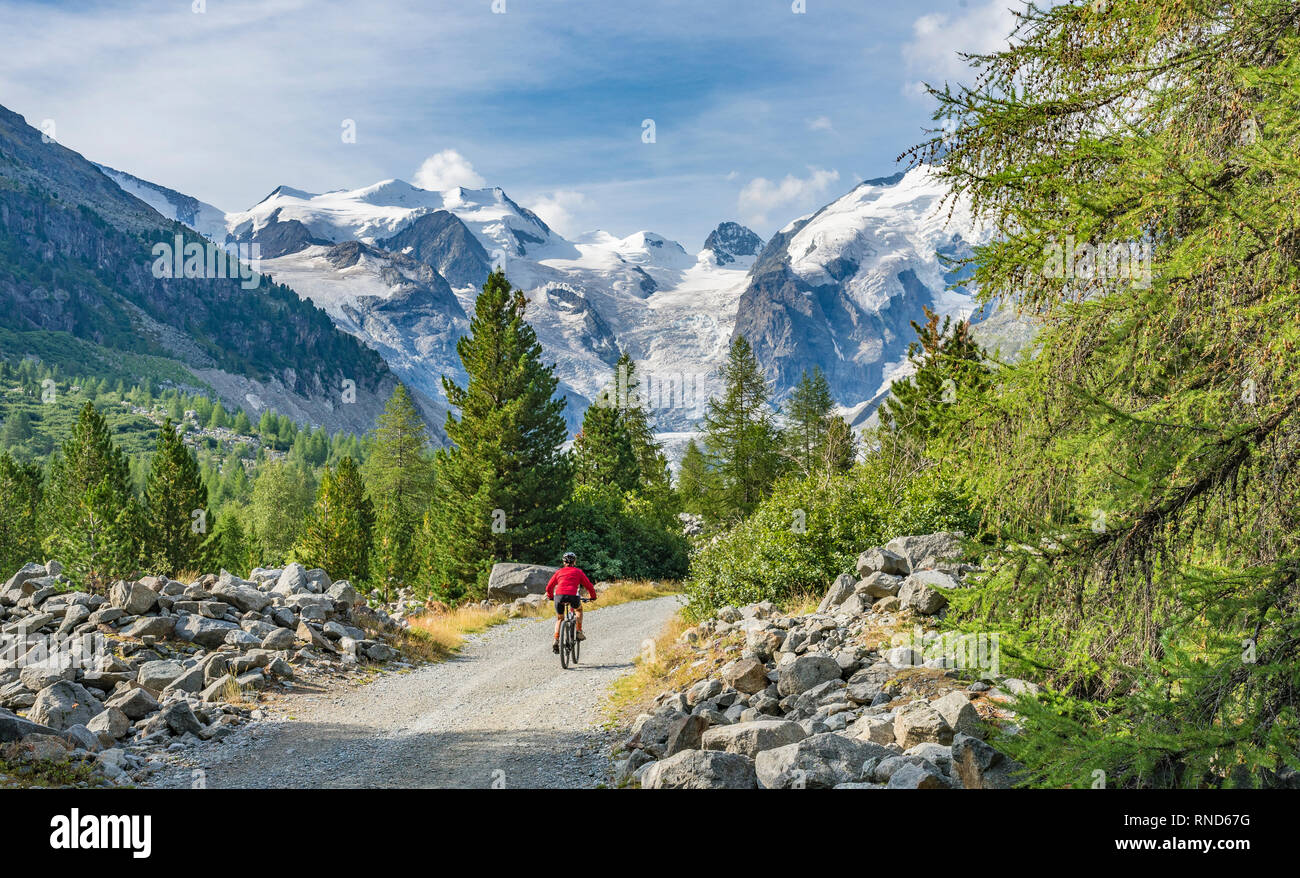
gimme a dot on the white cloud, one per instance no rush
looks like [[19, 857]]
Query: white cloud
[[821, 123], [447, 170], [931, 56], [761, 196], [557, 209]]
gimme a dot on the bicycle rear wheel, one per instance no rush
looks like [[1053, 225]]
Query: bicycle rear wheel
[[577, 644], [565, 644]]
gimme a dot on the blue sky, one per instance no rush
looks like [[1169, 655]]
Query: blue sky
[[760, 113]]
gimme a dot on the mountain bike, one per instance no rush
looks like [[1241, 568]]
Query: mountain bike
[[570, 645]]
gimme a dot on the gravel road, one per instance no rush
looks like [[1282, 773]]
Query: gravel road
[[502, 712]]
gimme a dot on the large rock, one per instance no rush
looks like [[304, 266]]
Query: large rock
[[110, 722], [157, 675], [925, 600], [746, 675], [701, 770], [918, 723], [837, 594], [805, 672], [912, 776], [293, 580], [684, 734], [15, 728], [63, 705], [18, 585], [879, 585], [927, 550], [206, 632], [132, 598], [510, 581], [244, 595], [958, 712], [980, 767], [342, 592], [180, 718], [162, 627], [882, 560], [135, 702], [817, 762], [751, 738]]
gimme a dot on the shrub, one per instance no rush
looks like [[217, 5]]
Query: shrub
[[624, 536], [807, 532]]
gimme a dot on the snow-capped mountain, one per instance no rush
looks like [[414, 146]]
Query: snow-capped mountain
[[838, 289], [399, 267]]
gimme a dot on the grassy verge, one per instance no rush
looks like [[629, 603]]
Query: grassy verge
[[436, 636]]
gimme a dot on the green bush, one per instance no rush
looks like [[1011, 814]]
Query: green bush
[[618, 536], [807, 532]]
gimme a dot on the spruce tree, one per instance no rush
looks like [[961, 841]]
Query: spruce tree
[[817, 438], [174, 493], [501, 487], [93, 516], [282, 496], [227, 546], [602, 451], [947, 364], [21, 487], [741, 433], [697, 485], [399, 477], [337, 533], [636, 422]]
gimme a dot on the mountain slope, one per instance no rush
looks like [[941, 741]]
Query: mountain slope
[[76, 258]]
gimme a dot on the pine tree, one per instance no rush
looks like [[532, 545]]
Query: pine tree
[[176, 502], [817, 438], [399, 477], [698, 487], [602, 451], [227, 546], [636, 422], [948, 364], [20, 526], [741, 433], [337, 534], [501, 488], [93, 517]]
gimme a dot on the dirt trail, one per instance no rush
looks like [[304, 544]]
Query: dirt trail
[[502, 710]]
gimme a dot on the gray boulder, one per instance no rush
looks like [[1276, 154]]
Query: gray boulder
[[911, 776], [700, 770], [293, 580], [206, 632], [15, 728], [132, 598], [746, 675], [839, 591], [161, 627], [882, 560], [342, 592], [244, 595], [63, 705], [817, 762], [805, 672], [509, 581], [980, 767], [958, 712], [157, 675], [880, 585], [751, 738], [135, 702], [918, 723], [925, 600], [684, 734], [927, 550], [111, 722]]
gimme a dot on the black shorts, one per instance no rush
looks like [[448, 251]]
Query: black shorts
[[570, 600]]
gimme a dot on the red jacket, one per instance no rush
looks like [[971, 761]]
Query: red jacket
[[566, 580]]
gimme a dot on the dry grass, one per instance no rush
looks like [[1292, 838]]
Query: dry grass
[[669, 666], [436, 636], [800, 604]]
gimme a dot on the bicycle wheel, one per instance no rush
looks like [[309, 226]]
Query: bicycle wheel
[[564, 644], [577, 644]]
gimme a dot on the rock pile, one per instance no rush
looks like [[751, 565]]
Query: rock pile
[[817, 701], [160, 664]]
